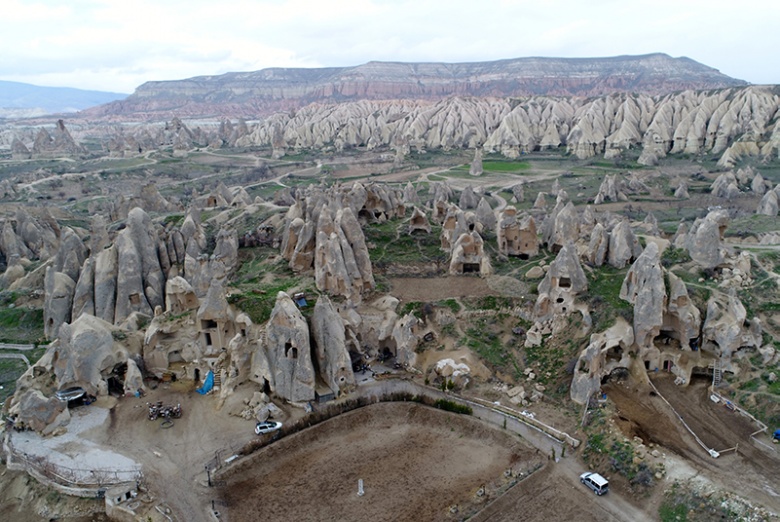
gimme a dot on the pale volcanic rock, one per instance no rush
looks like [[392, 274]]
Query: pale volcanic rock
[[723, 186], [453, 226], [19, 150], [410, 196], [644, 288], [40, 413], [558, 290], [289, 352], [485, 215], [406, 340], [179, 296], [624, 247], [565, 272], [759, 185], [106, 266], [562, 226], [59, 289], [598, 245], [726, 328], [587, 222], [86, 354], [682, 317], [84, 292], [40, 234], [418, 222], [476, 165], [468, 255], [768, 204], [593, 363], [540, 203], [61, 143], [330, 347], [705, 237], [341, 262], [518, 192], [140, 280], [517, 237], [468, 199], [681, 192]]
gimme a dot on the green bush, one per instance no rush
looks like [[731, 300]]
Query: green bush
[[454, 407]]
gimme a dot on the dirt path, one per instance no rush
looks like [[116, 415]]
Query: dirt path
[[555, 493], [174, 459], [408, 289], [750, 472]]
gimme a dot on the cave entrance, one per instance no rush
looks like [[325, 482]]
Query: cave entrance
[[470, 268], [196, 375], [614, 354]]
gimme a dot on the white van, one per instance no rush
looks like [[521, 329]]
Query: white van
[[596, 482]]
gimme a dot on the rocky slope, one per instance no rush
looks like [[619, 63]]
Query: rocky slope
[[260, 93], [730, 122]]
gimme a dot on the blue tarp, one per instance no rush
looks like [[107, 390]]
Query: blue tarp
[[777, 434], [207, 384]]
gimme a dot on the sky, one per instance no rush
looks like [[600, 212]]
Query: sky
[[116, 46]]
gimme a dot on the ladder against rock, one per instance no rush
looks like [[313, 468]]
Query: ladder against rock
[[218, 377], [717, 373]]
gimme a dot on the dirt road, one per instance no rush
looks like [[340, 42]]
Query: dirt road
[[555, 493], [751, 471]]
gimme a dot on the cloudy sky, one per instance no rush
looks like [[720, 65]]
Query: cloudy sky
[[115, 45]]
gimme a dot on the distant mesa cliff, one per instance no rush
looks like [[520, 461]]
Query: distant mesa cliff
[[260, 93]]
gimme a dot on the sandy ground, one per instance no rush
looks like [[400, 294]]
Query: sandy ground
[[751, 471], [174, 459], [415, 463], [74, 452]]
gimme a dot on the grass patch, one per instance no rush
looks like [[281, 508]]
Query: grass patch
[[21, 325], [483, 338], [604, 285], [505, 166]]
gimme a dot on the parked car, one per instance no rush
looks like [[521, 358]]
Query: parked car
[[267, 427], [596, 482]]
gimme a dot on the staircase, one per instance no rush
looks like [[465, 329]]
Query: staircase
[[218, 377], [717, 373]]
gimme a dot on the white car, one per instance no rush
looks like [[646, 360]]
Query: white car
[[596, 482], [267, 427]]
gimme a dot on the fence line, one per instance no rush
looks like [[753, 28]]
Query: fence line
[[70, 477], [22, 347], [762, 428], [16, 356], [685, 424], [402, 389]]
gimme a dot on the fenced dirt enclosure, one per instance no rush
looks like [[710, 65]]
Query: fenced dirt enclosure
[[415, 461]]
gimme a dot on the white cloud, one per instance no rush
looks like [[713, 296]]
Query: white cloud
[[117, 45]]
